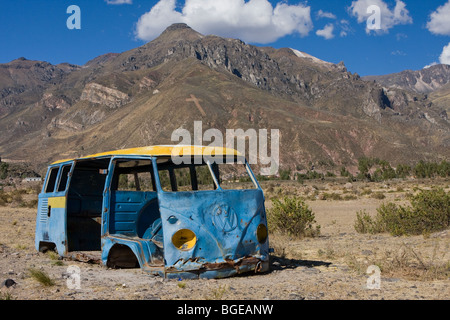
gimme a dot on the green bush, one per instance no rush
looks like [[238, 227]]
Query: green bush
[[4, 170], [285, 174], [366, 224], [293, 217], [429, 212]]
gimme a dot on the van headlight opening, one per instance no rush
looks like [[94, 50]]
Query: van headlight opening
[[184, 239], [262, 233]]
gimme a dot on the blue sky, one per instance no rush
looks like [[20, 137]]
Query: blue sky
[[411, 34]]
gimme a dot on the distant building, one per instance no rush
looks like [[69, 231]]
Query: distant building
[[34, 179]]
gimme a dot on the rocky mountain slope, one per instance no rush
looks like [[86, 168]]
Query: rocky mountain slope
[[139, 97], [441, 97], [422, 81]]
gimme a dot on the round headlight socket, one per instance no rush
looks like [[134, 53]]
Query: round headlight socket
[[184, 239], [262, 233]]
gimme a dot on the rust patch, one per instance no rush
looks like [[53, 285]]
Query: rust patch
[[232, 264], [83, 257]]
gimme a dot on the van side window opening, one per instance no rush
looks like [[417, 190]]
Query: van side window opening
[[64, 178], [134, 175], [51, 180], [87, 181]]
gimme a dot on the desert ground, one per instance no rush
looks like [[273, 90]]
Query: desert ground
[[332, 266]]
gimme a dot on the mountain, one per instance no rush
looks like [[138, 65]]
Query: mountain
[[325, 113], [422, 81], [441, 97], [23, 82]]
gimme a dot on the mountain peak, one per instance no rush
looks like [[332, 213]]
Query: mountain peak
[[178, 26], [180, 31]]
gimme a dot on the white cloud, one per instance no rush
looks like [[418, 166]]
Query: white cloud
[[119, 1], [444, 58], [439, 22], [398, 53], [388, 18], [252, 21], [445, 55], [430, 65], [345, 28], [323, 14], [326, 32], [401, 36]]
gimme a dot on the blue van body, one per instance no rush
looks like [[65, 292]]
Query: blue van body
[[166, 224]]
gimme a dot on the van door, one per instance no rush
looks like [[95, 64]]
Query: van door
[[51, 224], [131, 213]]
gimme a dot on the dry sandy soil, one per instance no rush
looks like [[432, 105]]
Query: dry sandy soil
[[330, 267]]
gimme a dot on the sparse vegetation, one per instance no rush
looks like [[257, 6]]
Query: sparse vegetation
[[55, 258], [369, 169], [429, 212], [378, 195], [218, 293], [6, 296], [16, 170], [374, 169], [18, 197], [3, 170], [331, 196], [337, 254], [293, 217], [404, 262], [42, 277]]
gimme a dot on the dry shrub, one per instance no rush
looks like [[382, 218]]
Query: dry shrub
[[410, 264], [292, 217], [429, 212]]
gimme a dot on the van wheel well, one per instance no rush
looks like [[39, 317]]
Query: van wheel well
[[46, 246], [121, 256]]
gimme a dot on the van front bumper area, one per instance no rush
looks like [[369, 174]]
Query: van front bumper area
[[212, 270]]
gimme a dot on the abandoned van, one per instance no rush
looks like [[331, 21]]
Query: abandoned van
[[140, 208]]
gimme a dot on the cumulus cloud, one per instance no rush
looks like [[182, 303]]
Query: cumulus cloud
[[445, 55], [388, 17], [252, 21], [444, 58], [439, 22], [119, 1], [326, 32]]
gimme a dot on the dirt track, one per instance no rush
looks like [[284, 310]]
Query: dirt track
[[332, 266]]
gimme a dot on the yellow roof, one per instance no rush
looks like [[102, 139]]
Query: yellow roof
[[161, 151]]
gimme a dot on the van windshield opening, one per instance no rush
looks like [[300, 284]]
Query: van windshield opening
[[200, 176]]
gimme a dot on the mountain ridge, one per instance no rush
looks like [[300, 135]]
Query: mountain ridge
[[425, 80], [139, 97]]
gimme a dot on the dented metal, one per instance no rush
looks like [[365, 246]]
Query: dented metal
[[175, 234]]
